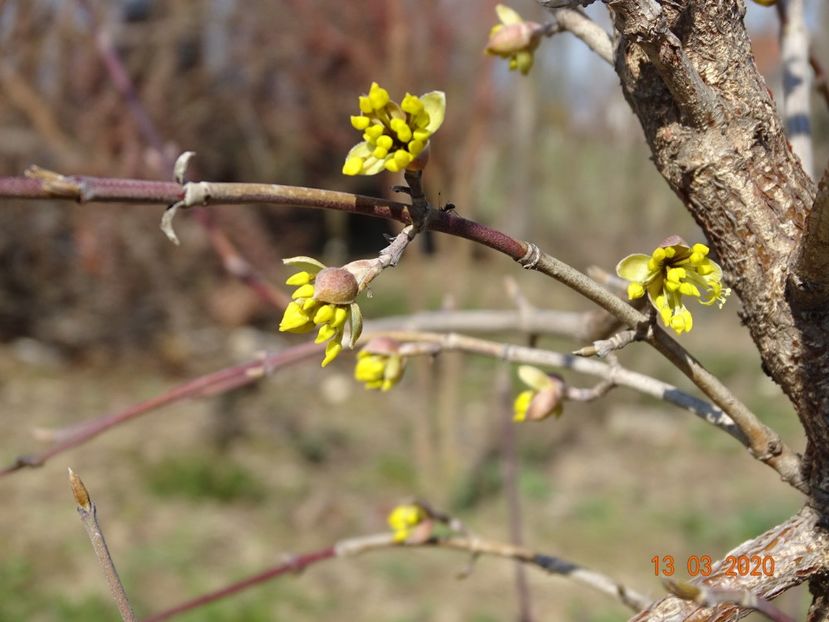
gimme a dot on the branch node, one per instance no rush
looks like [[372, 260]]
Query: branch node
[[531, 257], [54, 183]]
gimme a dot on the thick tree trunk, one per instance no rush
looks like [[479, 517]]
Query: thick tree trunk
[[687, 70]]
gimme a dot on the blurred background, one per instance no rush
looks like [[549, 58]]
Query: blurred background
[[98, 311]]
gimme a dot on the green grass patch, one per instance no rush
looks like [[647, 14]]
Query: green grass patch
[[204, 477]]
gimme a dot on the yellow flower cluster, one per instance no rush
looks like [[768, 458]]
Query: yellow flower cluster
[[379, 370], [324, 298], [394, 135], [404, 518], [514, 39], [671, 271]]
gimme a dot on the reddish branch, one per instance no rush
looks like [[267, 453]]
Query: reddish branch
[[204, 386]]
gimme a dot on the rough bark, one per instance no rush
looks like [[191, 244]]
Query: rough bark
[[799, 549], [687, 70]]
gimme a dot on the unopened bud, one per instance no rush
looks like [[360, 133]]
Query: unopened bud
[[549, 401], [510, 39], [335, 286]]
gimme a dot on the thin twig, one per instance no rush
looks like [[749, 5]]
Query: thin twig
[[603, 347], [208, 385], [89, 518], [476, 546], [577, 23], [545, 358], [797, 81]]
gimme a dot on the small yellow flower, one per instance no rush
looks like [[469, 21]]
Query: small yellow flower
[[395, 136], [379, 364], [545, 396], [766, 2], [324, 298], [514, 39], [671, 271], [404, 518]]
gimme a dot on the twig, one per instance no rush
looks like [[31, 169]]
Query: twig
[[210, 384], [580, 25], [366, 544], [710, 597], [764, 443], [797, 81], [88, 514], [603, 347], [595, 392], [546, 358]]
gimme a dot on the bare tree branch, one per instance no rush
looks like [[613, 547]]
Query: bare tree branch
[[580, 25], [476, 546], [619, 376], [210, 384]]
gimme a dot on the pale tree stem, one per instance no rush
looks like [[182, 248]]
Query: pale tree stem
[[797, 81]]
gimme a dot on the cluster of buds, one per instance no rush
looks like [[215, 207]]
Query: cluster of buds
[[403, 519], [395, 136], [514, 39], [379, 364]]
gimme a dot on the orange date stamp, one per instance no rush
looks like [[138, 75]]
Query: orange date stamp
[[703, 565]]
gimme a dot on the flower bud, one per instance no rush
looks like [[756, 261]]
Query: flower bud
[[509, 39], [549, 401], [335, 286]]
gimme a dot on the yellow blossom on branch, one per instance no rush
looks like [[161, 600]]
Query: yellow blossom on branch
[[404, 518], [514, 39], [671, 271], [545, 396], [379, 364], [324, 299], [395, 136]]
